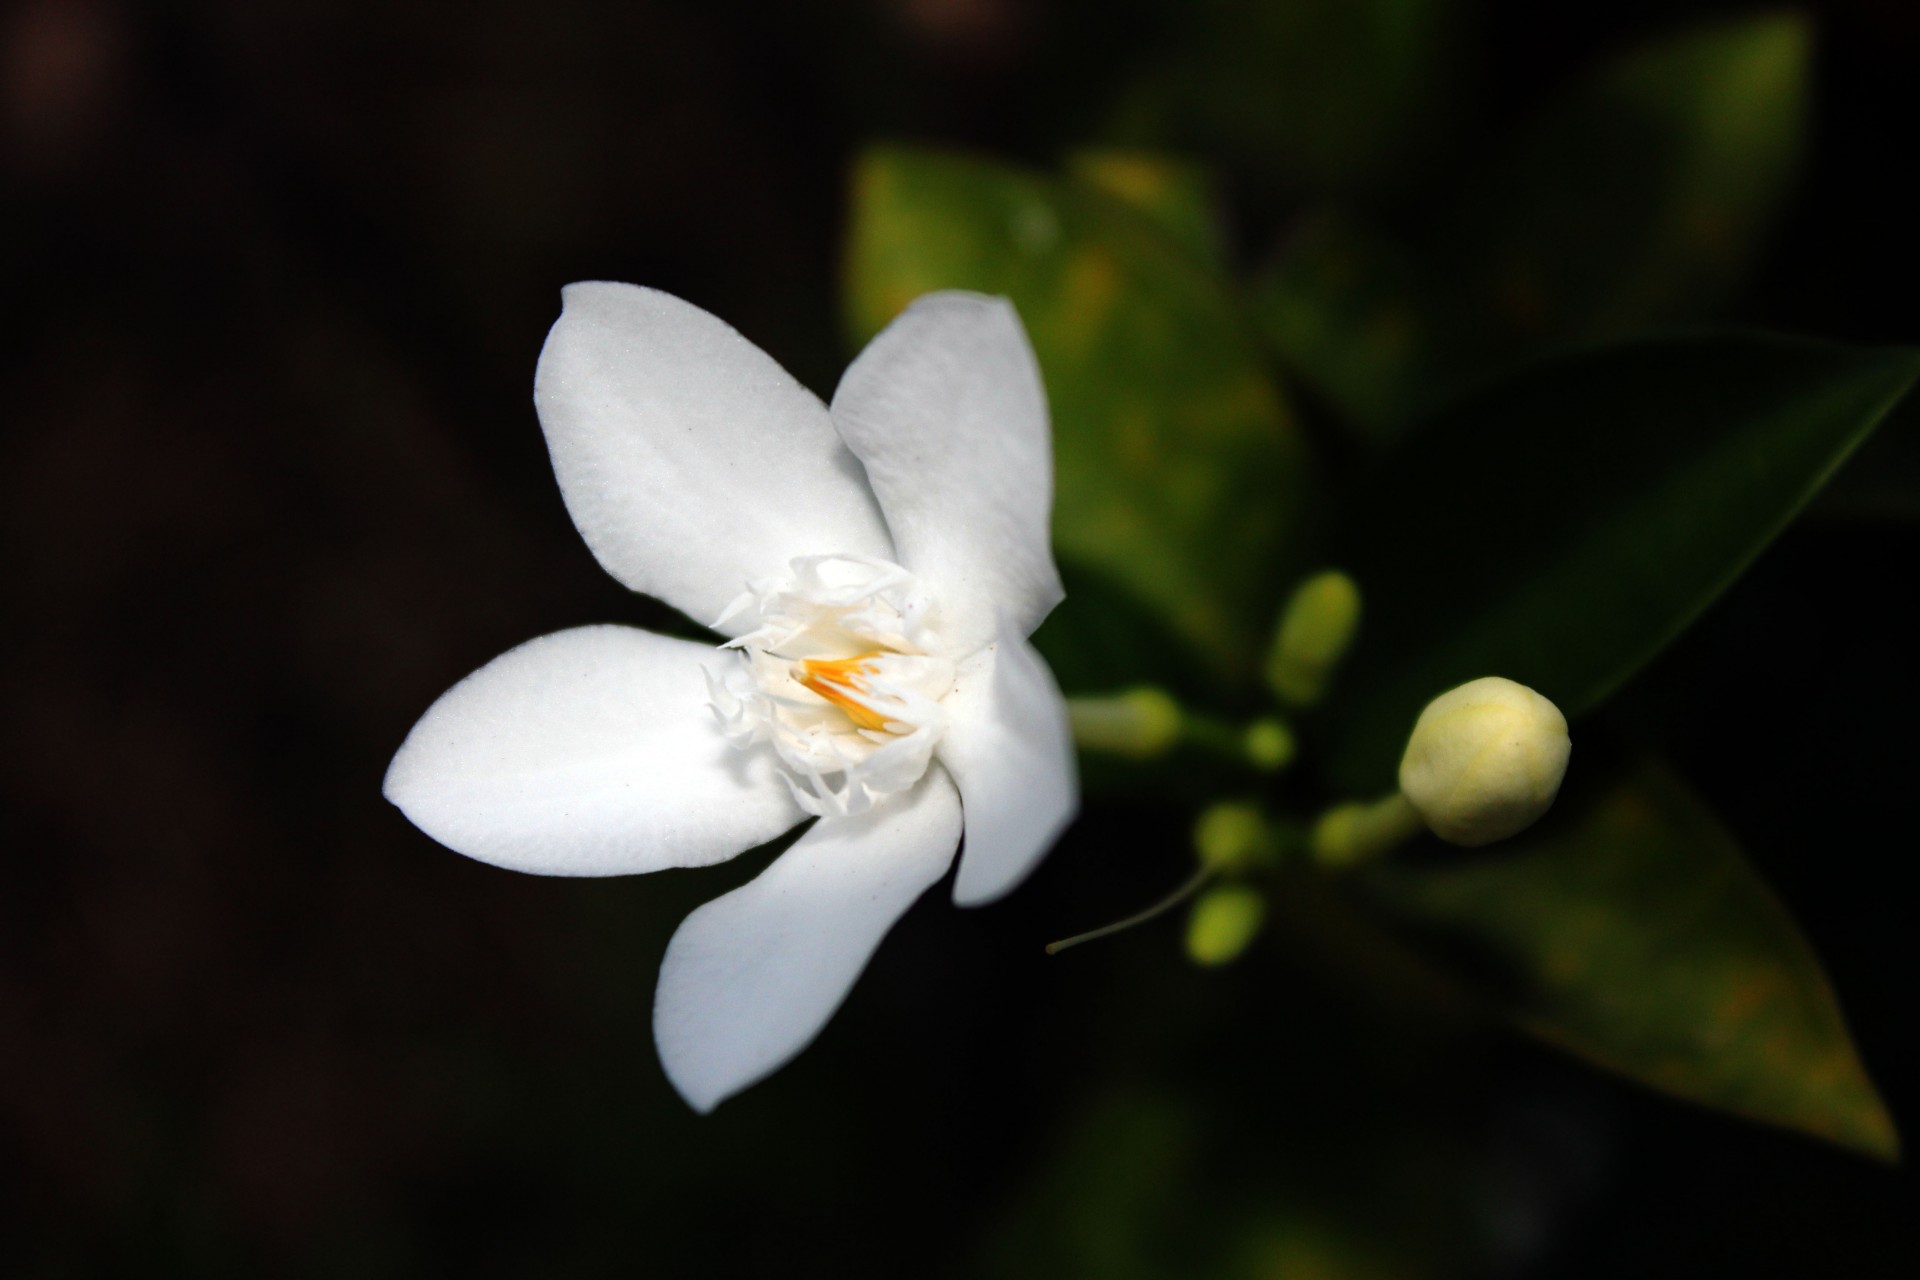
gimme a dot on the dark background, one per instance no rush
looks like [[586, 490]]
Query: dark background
[[275, 276]]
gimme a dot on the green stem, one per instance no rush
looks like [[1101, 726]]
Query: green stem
[[1194, 884], [1146, 723], [1208, 733], [1357, 832]]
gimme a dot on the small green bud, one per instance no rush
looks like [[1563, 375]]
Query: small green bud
[[1269, 745], [1485, 760], [1359, 831], [1141, 723], [1223, 922], [1234, 837], [1316, 627]]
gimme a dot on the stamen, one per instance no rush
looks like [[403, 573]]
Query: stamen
[[866, 725], [839, 681]]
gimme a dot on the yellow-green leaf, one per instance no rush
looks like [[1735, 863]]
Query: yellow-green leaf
[[1179, 195], [1628, 928]]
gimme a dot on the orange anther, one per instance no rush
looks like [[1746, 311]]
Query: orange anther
[[838, 680]]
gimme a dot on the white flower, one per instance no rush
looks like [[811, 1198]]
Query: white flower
[[878, 567]]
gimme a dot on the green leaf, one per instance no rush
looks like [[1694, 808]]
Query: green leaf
[[1320, 93], [1101, 1203], [1562, 526], [1640, 198], [1344, 305], [1644, 195], [1629, 930], [1108, 640], [1180, 475], [1882, 481], [1180, 196]]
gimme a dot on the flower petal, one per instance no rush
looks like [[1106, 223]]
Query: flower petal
[[690, 461], [1010, 751], [947, 411], [590, 752], [750, 978]]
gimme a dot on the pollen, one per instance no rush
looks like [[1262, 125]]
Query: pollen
[[841, 682]]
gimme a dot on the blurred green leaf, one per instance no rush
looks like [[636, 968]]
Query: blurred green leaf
[[1179, 195], [1640, 198], [1180, 475], [1317, 93], [1113, 1197], [1882, 481], [1562, 526], [1108, 640], [1174, 1181], [1629, 929], [1345, 306]]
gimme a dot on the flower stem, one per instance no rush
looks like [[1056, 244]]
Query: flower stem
[[1357, 832], [1146, 723], [1197, 881]]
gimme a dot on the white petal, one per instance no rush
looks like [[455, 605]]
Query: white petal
[[1010, 751], [590, 752], [947, 411], [750, 978], [689, 460]]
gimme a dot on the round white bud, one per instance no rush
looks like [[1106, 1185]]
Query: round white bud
[[1485, 761]]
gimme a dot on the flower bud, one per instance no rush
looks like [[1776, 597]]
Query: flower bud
[[1233, 838], [1223, 922], [1268, 745], [1140, 723], [1316, 627], [1485, 761]]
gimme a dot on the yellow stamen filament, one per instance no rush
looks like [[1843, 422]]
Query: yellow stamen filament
[[838, 680]]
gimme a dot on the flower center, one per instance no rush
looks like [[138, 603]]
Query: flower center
[[839, 681], [842, 676]]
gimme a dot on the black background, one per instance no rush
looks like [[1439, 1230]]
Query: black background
[[275, 275]]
